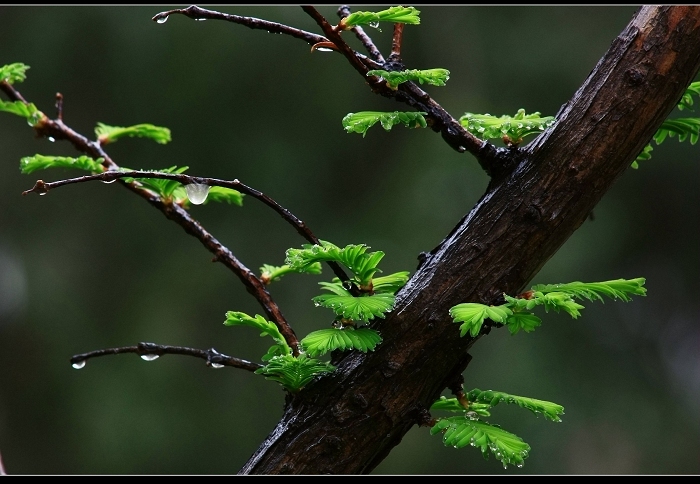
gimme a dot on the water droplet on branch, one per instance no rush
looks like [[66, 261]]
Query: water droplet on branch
[[217, 365], [51, 138], [79, 364], [149, 357], [162, 20], [197, 192]]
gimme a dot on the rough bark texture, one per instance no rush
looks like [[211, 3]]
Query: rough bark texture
[[346, 423]]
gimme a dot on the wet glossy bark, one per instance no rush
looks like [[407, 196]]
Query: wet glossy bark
[[348, 422]]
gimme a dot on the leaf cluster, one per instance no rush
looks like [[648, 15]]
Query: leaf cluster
[[294, 373], [30, 164], [318, 343], [684, 128], [516, 312], [510, 129], [109, 134], [11, 73], [362, 121], [435, 77], [404, 15]]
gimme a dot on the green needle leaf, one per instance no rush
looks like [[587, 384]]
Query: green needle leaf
[[109, 134], [362, 121], [322, 341], [16, 72], [435, 77], [511, 129], [404, 15], [294, 373], [30, 164]]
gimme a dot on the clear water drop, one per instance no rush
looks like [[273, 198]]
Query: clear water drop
[[79, 364], [217, 365], [41, 194], [109, 181], [51, 138], [199, 19], [162, 20], [149, 357], [197, 192], [324, 49]]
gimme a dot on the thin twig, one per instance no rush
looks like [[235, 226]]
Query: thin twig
[[396, 40], [198, 13], [55, 128], [302, 229], [359, 32], [151, 351], [59, 106]]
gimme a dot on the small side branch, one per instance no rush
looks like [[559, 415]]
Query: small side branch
[[197, 13], [152, 351], [359, 32], [302, 229], [396, 40]]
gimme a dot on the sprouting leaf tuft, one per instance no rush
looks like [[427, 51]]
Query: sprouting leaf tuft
[[355, 257], [225, 195], [511, 129], [26, 110], [361, 308], [29, 164], [267, 328], [322, 341], [686, 101], [435, 77], [12, 73], [550, 410], [269, 273], [109, 134], [615, 289], [404, 15], [461, 431], [474, 314], [391, 283], [362, 121], [294, 373]]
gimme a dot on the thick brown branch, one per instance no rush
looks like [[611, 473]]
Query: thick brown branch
[[356, 415], [151, 351]]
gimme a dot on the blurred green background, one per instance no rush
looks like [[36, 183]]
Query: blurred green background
[[92, 266]]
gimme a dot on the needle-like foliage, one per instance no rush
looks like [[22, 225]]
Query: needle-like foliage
[[318, 343], [362, 121], [30, 164], [404, 15], [434, 77], [510, 129], [109, 134]]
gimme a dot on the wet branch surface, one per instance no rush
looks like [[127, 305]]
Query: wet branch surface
[[348, 422], [41, 187], [152, 351]]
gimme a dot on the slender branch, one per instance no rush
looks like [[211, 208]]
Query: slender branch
[[151, 351], [396, 42], [59, 106], [198, 13], [302, 229], [343, 47], [491, 159], [55, 128], [359, 32]]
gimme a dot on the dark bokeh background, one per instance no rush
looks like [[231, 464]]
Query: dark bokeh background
[[92, 266]]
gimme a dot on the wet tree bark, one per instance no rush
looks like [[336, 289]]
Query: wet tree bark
[[348, 422]]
